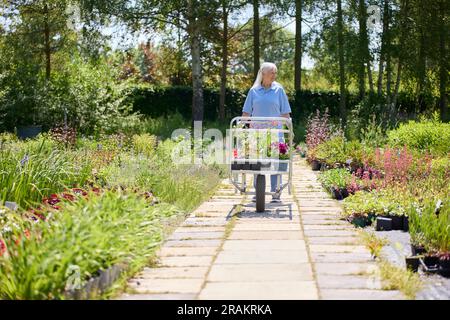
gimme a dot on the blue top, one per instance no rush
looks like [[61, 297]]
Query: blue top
[[272, 102]]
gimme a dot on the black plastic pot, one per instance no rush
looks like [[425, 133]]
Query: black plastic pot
[[397, 222], [361, 222], [431, 261], [255, 166], [336, 193], [412, 263], [405, 224], [315, 165], [417, 250], [384, 224], [28, 132], [344, 193], [444, 267]]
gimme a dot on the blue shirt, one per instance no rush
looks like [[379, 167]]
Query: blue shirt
[[272, 102]]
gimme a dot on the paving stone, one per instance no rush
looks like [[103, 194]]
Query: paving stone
[[181, 261], [329, 233], [348, 282], [261, 245], [200, 229], [337, 248], [214, 222], [193, 243], [359, 294], [267, 290], [329, 268], [196, 235], [341, 257], [266, 235], [260, 272], [173, 272], [266, 226], [322, 221], [334, 240], [169, 296], [191, 286], [187, 251], [263, 256], [328, 227]]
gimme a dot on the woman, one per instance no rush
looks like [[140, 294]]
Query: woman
[[267, 99]]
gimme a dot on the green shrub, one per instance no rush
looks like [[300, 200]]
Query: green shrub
[[377, 203], [430, 136], [337, 178]]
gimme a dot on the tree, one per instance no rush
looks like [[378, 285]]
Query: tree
[[342, 86]]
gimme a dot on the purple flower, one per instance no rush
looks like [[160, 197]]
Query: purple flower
[[24, 161]]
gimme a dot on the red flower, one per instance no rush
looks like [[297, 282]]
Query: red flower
[[79, 191], [2, 247], [56, 207], [27, 233], [68, 196], [235, 153]]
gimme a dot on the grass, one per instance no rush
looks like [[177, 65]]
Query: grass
[[373, 243], [396, 278], [393, 277]]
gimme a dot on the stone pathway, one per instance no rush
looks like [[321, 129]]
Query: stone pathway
[[297, 249]]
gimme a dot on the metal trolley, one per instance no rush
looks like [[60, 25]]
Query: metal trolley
[[259, 166]]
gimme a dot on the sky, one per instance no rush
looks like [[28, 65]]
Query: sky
[[240, 17]]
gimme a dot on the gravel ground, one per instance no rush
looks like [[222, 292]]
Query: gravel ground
[[436, 287]]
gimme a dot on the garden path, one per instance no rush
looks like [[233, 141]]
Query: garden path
[[297, 249]]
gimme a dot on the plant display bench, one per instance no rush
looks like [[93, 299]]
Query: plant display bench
[[248, 134]]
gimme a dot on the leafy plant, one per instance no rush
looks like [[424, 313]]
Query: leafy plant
[[337, 178], [426, 135]]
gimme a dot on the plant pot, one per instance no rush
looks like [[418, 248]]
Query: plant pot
[[28, 132], [344, 193], [412, 263], [384, 224], [246, 166], [336, 193], [315, 165], [397, 222], [417, 250], [360, 222], [405, 224], [431, 261], [255, 166], [444, 267]]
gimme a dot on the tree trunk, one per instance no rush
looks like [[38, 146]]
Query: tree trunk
[[298, 45], [47, 46], [223, 77], [340, 28], [443, 69], [397, 84], [383, 49], [363, 48], [256, 42], [387, 52], [421, 68], [197, 76], [404, 8], [369, 75]]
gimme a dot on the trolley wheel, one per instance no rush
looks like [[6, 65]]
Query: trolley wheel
[[260, 193]]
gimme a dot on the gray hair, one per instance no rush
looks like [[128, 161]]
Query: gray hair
[[266, 66]]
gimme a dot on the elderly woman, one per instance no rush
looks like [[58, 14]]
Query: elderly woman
[[267, 99]]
